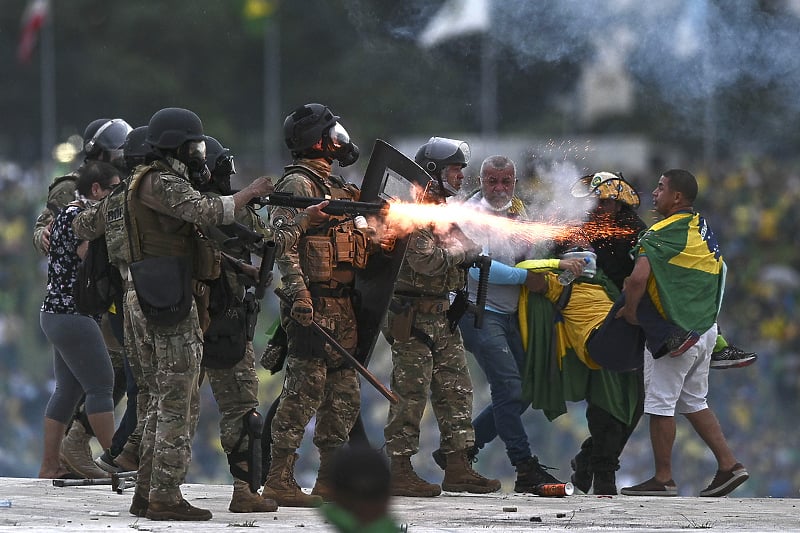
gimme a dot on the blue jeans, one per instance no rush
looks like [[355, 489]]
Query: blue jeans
[[497, 347]]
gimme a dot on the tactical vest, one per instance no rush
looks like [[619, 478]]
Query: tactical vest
[[147, 238], [337, 243], [119, 249]]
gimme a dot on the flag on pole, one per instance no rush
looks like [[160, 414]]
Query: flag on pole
[[32, 21], [456, 18]]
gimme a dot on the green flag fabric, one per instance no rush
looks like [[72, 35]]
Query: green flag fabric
[[555, 375], [688, 270]]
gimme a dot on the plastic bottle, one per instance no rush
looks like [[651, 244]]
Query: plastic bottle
[[567, 277], [5, 503]]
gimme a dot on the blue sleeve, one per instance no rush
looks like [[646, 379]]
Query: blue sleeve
[[502, 274]]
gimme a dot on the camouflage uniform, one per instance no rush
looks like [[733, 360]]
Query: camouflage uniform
[[169, 356], [317, 379], [59, 194], [90, 224], [236, 389], [433, 359]]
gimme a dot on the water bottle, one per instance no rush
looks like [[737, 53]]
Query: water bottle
[[567, 277], [5, 503]]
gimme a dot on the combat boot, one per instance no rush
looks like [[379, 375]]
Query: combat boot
[[183, 511], [440, 458], [530, 474], [139, 505], [128, 458], [324, 485], [76, 453], [406, 482], [460, 477], [281, 485], [246, 501]]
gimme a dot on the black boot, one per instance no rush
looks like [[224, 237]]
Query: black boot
[[582, 472], [605, 482], [530, 474]]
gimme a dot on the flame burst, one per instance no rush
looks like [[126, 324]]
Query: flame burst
[[405, 217]]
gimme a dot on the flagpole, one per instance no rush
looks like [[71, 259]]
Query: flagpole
[[48, 93]]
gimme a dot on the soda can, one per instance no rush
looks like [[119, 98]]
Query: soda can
[[555, 489]]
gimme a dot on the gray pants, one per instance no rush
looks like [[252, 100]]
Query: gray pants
[[81, 364]]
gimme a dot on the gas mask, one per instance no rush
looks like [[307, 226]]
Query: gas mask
[[193, 155], [221, 175], [340, 146]]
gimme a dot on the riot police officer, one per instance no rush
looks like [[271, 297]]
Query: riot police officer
[[427, 355], [162, 211], [321, 287]]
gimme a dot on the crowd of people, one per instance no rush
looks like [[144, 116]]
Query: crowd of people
[[182, 241]]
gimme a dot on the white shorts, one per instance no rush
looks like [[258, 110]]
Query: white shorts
[[679, 384]]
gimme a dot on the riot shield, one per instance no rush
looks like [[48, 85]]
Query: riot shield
[[390, 175]]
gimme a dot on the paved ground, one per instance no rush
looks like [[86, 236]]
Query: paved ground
[[38, 506]]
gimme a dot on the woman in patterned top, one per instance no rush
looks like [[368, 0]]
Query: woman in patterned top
[[81, 362]]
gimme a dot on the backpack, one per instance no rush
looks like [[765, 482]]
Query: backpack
[[99, 283]]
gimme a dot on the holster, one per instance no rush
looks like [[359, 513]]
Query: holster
[[164, 288], [401, 320]]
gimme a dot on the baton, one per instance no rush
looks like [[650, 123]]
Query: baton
[[361, 369]]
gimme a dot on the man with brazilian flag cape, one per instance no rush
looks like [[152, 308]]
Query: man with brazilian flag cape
[[680, 268]]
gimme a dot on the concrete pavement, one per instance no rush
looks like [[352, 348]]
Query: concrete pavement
[[39, 506]]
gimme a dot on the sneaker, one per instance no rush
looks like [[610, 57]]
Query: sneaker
[[732, 357], [725, 482], [106, 462], [678, 344], [651, 487]]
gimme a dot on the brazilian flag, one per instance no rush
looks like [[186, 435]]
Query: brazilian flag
[[688, 273], [554, 374]]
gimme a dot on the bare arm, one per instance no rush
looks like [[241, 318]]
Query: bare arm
[[634, 288]]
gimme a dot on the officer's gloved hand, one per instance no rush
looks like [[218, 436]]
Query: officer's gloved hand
[[303, 308]]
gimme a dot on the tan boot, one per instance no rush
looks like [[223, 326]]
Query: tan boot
[[128, 458], [324, 485], [281, 485], [76, 453], [460, 477], [182, 510], [405, 482], [246, 501]]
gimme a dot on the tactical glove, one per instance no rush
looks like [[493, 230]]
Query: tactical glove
[[303, 308]]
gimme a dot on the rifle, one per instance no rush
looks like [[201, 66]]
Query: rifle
[[334, 207], [361, 369], [252, 301]]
